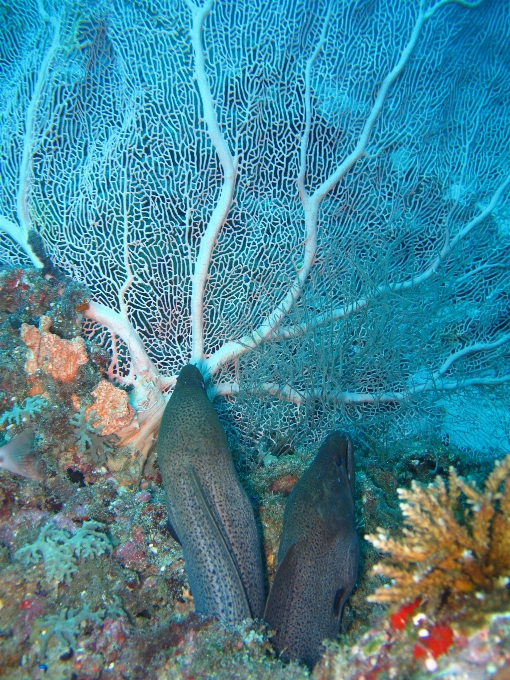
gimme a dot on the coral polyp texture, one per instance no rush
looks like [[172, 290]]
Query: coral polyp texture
[[110, 411], [455, 544], [60, 549], [50, 354]]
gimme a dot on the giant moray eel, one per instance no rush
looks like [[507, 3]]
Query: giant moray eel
[[209, 513], [318, 554]]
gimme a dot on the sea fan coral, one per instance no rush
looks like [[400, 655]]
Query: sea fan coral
[[456, 542]]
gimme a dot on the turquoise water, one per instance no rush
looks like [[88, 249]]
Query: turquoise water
[[308, 201]]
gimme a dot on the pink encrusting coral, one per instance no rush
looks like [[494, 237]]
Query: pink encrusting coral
[[110, 412], [61, 359]]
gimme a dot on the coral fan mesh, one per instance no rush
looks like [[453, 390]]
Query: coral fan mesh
[[122, 179]]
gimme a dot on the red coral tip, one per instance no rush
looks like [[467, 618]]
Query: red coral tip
[[439, 640], [399, 618], [419, 651]]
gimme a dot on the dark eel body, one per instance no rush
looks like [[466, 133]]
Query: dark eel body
[[209, 512], [318, 555]]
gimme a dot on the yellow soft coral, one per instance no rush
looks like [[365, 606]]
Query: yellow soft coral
[[456, 541]]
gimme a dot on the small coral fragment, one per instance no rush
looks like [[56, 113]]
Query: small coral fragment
[[89, 438], [110, 411], [61, 550], [437, 642], [19, 415], [50, 354], [66, 626], [400, 618], [284, 484], [456, 542]]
